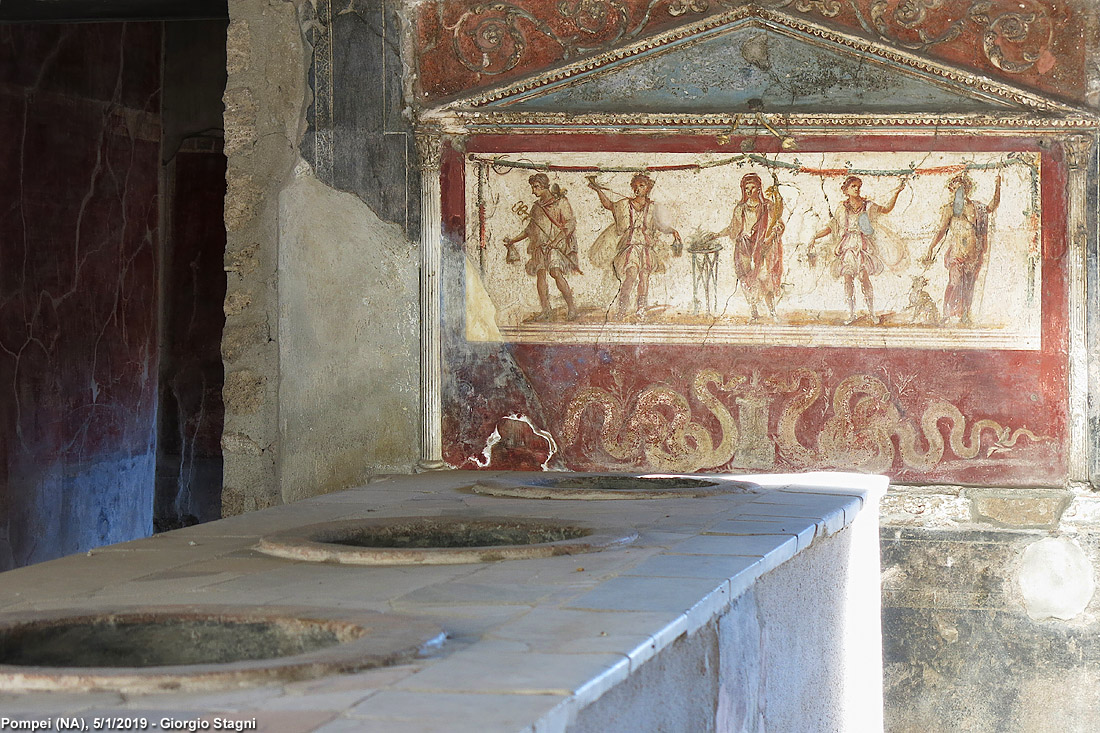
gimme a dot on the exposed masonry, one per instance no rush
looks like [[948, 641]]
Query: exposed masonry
[[264, 98], [321, 312], [968, 506]]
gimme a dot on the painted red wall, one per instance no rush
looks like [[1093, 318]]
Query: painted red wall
[[1034, 43], [191, 410], [80, 132], [823, 407]]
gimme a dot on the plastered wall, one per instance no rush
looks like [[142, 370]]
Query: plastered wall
[[348, 354], [79, 113], [320, 348]]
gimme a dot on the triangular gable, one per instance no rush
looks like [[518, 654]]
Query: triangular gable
[[752, 59], [745, 69]]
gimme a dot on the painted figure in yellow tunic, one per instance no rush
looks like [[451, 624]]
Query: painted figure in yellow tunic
[[636, 229]]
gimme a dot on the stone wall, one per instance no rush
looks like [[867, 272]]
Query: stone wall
[[264, 99], [990, 610], [320, 347]]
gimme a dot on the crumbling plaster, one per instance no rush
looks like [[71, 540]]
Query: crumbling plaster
[[320, 343], [349, 387], [990, 613]]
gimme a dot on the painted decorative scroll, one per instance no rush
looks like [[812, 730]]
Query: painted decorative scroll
[[1015, 37], [908, 249], [491, 38], [1022, 39], [656, 428]]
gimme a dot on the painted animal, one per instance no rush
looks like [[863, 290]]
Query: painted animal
[[921, 308], [865, 417], [659, 431]]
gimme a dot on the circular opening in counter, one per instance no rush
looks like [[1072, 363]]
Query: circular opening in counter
[[594, 486], [456, 534], [198, 648], [158, 642], [439, 540]]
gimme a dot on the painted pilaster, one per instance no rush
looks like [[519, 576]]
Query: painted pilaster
[[1092, 315], [429, 149], [1078, 152]]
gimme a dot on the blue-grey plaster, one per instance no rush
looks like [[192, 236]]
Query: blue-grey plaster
[[723, 73], [959, 651], [63, 508], [371, 153]]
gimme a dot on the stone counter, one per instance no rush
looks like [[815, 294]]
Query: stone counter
[[741, 612]]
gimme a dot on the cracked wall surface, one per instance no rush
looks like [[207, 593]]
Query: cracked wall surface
[[320, 347], [990, 613], [78, 286]]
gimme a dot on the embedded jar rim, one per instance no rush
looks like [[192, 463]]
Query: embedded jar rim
[[315, 542], [364, 640]]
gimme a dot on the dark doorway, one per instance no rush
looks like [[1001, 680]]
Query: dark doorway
[[189, 457]]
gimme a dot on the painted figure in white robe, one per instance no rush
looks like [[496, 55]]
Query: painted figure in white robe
[[636, 234], [855, 251]]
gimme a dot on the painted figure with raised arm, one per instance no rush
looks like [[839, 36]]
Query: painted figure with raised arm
[[551, 235], [964, 226], [637, 228], [855, 253]]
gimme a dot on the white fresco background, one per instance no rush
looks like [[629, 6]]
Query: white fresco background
[[811, 309]]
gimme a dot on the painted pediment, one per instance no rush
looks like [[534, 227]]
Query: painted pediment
[[467, 46], [753, 60]]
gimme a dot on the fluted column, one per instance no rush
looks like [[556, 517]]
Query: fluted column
[[1078, 153], [429, 148]]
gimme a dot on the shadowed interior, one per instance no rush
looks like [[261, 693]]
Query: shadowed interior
[[625, 483], [426, 534], [156, 643]]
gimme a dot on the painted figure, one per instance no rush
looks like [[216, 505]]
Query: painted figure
[[638, 224], [551, 243], [964, 225], [921, 309], [756, 231], [855, 253]]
